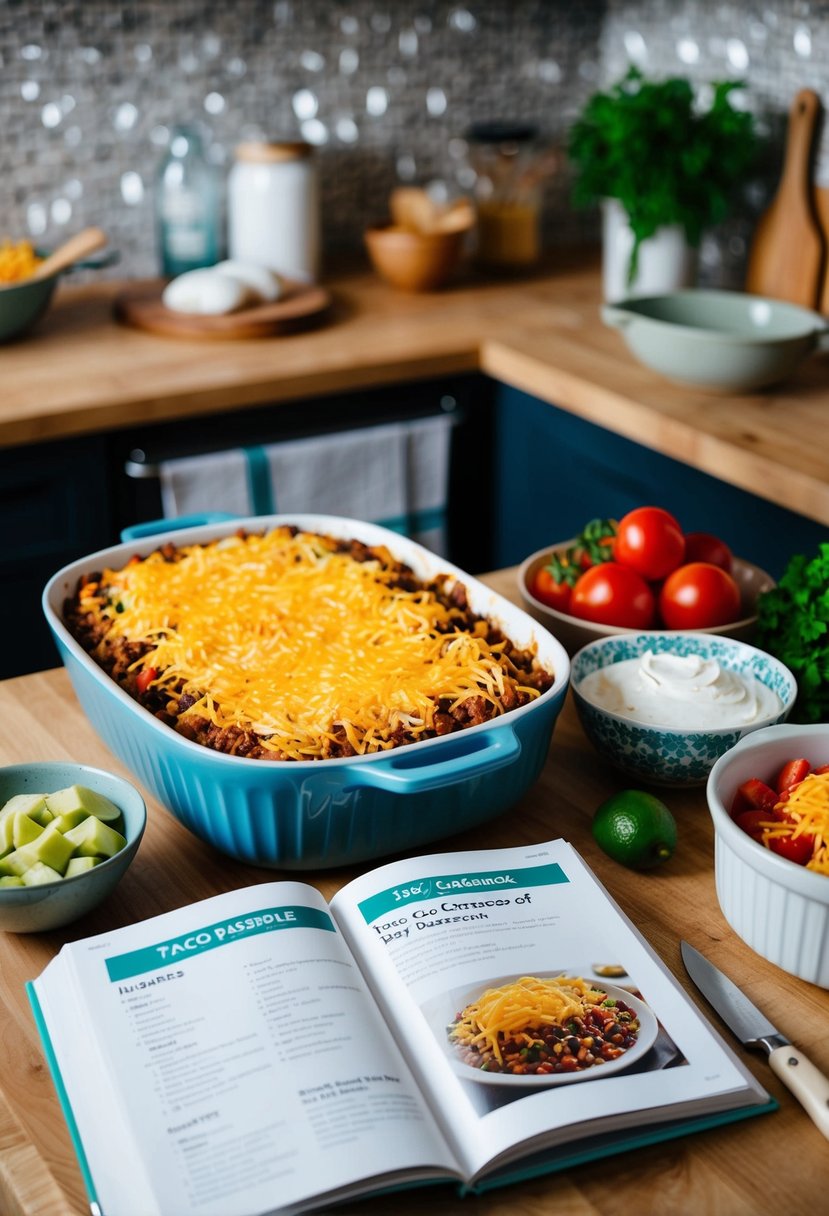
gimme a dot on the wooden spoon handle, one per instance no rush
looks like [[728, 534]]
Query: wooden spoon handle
[[77, 247]]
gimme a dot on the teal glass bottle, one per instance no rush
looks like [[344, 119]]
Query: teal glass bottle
[[187, 206]]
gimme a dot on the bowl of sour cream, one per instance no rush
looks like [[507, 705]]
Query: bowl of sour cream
[[663, 707]]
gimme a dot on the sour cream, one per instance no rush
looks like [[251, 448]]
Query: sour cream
[[680, 690]]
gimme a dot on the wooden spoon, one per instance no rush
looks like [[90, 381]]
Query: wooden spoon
[[71, 251]]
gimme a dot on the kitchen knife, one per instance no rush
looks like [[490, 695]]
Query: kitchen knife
[[753, 1029]]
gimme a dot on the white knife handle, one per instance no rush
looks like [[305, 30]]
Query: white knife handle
[[807, 1083]]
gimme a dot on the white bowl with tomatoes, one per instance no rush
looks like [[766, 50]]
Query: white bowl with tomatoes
[[641, 573], [767, 889]]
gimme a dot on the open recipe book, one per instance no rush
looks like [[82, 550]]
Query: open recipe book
[[478, 1017]]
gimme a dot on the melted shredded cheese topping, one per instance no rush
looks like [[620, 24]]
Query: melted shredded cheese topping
[[808, 806], [283, 635], [527, 1004]]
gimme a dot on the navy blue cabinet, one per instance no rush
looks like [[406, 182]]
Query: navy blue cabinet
[[54, 507], [554, 472]]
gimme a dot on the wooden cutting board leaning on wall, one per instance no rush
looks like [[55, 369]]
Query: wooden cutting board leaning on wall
[[788, 253], [821, 196]]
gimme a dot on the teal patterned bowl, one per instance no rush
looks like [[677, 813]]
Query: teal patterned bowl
[[671, 755]]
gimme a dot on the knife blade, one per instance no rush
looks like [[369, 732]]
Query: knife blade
[[805, 1081]]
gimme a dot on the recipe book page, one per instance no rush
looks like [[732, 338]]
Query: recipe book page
[[433, 935], [226, 1059]]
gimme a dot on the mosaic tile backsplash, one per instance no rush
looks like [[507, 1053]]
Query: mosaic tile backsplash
[[89, 92]]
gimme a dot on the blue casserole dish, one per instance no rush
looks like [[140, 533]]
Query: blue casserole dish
[[323, 813]]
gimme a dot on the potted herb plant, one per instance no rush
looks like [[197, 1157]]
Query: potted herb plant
[[664, 168]]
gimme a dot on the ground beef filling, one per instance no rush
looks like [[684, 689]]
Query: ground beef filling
[[117, 655]]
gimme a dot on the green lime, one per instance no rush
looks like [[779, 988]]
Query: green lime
[[636, 829]]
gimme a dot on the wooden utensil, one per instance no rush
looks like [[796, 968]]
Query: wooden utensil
[[788, 251], [71, 251], [821, 197]]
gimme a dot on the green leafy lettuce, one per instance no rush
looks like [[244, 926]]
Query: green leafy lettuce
[[793, 625]]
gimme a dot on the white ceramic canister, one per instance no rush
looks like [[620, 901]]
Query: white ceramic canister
[[273, 208], [666, 261]]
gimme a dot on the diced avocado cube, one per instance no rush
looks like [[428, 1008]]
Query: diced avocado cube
[[33, 805], [40, 873], [80, 865], [6, 834], [93, 837], [24, 829], [53, 848], [11, 880], [69, 819], [19, 861], [80, 798]]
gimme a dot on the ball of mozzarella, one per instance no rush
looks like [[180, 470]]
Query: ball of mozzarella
[[263, 283], [206, 292]]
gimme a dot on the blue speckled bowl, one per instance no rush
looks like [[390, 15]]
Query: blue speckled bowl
[[671, 755]]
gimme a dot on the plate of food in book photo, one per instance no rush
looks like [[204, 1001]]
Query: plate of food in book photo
[[544, 1030]]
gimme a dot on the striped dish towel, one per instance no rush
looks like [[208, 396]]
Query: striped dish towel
[[396, 475]]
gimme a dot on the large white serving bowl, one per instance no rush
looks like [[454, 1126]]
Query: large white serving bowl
[[778, 908]]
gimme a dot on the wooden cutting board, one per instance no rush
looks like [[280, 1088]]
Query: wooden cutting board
[[302, 306], [788, 251], [821, 196]]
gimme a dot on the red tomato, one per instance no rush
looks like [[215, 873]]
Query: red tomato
[[145, 678], [792, 773], [610, 594], [703, 547], [753, 795], [753, 823], [699, 596], [553, 594], [798, 849], [650, 541]]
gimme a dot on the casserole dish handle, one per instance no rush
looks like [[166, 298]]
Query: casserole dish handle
[[152, 526], [471, 757]]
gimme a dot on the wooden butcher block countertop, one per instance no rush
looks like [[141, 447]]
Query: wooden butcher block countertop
[[777, 1163], [79, 372]]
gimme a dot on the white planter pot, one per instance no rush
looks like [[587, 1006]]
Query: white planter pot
[[666, 261]]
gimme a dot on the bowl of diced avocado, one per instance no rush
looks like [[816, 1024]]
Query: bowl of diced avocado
[[68, 832]]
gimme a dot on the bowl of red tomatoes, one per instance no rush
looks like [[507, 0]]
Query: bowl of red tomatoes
[[769, 801], [642, 572]]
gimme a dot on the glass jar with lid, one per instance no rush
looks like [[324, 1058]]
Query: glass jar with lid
[[510, 166], [273, 208]]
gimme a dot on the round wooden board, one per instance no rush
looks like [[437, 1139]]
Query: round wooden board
[[140, 306]]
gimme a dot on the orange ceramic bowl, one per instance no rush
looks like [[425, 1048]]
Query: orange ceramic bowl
[[413, 261]]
